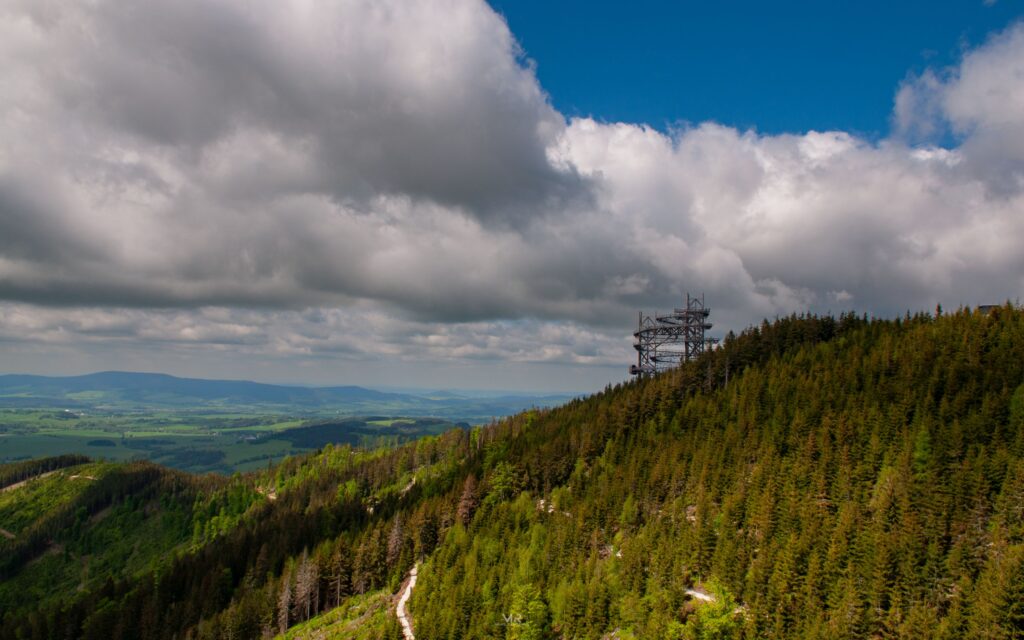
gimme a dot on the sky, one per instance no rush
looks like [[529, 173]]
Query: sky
[[776, 67], [449, 194]]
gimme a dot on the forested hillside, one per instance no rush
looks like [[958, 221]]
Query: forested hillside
[[814, 478]]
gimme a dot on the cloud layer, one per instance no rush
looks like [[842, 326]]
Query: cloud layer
[[384, 179]]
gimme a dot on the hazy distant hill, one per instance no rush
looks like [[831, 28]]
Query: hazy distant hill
[[128, 391], [161, 388]]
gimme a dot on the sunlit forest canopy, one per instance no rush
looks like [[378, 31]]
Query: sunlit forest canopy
[[853, 478]]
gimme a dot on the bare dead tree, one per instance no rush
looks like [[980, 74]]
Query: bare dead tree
[[306, 583], [395, 539], [284, 600]]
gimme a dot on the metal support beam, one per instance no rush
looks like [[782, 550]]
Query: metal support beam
[[666, 341]]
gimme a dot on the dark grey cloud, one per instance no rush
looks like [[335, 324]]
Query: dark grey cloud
[[387, 97], [31, 228], [269, 177]]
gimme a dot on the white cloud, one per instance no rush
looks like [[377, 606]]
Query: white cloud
[[356, 180], [315, 345], [981, 101]]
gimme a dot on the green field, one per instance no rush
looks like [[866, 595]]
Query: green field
[[197, 442], [220, 426]]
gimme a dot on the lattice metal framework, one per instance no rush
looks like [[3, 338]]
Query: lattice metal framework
[[666, 341]]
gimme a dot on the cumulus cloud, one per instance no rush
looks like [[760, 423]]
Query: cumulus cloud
[[979, 101], [328, 346], [365, 179]]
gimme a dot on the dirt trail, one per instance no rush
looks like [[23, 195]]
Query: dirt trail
[[403, 617]]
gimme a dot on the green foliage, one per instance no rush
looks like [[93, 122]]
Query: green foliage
[[505, 482], [852, 479], [13, 473], [717, 620], [221, 442], [23, 506], [528, 617], [363, 617]]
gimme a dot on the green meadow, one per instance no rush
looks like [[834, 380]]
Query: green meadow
[[197, 442]]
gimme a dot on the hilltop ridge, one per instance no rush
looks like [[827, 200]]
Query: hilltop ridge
[[815, 477]]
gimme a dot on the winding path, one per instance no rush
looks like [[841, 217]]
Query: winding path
[[403, 617]]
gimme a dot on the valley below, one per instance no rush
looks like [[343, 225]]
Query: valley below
[[223, 426]]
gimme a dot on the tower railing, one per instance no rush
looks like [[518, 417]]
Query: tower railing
[[666, 341]]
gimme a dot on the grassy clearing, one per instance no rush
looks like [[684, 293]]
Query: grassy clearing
[[363, 617], [245, 456], [280, 425], [391, 421], [23, 505]]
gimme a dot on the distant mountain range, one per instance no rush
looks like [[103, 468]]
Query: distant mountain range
[[120, 390]]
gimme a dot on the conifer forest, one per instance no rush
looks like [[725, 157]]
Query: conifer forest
[[814, 477]]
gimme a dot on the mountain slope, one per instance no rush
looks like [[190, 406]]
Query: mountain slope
[[852, 479], [80, 524]]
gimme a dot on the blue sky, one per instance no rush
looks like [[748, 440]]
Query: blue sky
[[774, 66]]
